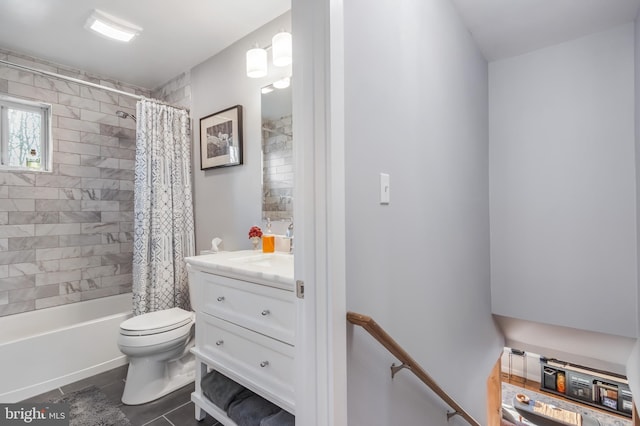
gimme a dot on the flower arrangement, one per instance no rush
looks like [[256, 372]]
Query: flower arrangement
[[255, 231]]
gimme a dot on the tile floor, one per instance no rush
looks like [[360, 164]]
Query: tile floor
[[175, 409]]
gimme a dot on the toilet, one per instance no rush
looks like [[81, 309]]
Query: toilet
[[157, 344]]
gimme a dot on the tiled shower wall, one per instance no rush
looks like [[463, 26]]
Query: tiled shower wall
[[66, 236], [277, 157], [176, 91]]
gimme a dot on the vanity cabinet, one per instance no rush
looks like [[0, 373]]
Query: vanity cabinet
[[244, 330]]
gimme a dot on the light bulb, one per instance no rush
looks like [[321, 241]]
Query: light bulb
[[256, 62], [282, 84], [282, 49]]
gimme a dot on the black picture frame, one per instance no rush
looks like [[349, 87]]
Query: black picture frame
[[221, 139]]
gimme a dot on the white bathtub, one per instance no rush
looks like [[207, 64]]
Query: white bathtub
[[48, 348]]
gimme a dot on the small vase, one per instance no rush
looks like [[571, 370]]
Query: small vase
[[256, 242]]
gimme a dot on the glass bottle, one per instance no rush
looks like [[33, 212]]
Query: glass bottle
[[33, 160]]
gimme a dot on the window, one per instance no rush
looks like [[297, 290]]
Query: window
[[25, 134]]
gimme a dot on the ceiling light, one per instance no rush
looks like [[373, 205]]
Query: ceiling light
[[256, 62], [112, 27], [266, 89], [282, 49], [282, 84]]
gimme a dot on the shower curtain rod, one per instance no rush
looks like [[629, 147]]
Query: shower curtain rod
[[86, 83]]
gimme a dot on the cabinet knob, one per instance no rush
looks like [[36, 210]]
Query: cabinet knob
[[220, 299], [266, 312], [219, 342], [263, 364]]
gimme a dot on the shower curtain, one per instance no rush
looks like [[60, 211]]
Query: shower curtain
[[163, 208]]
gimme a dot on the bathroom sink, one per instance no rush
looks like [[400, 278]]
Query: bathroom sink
[[273, 269], [267, 260]]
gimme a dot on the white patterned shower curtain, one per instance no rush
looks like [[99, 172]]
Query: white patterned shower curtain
[[163, 210]]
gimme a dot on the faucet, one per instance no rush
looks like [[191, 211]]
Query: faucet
[[290, 235]]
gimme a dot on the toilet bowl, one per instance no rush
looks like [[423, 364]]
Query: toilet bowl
[[157, 344]]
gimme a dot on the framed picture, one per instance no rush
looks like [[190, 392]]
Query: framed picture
[[221, 139]]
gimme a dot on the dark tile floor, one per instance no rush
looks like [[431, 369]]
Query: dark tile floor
[[175, 409]]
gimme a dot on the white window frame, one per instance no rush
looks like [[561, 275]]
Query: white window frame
[[46, 140]]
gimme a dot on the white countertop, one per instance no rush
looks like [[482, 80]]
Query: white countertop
[[272, 269]]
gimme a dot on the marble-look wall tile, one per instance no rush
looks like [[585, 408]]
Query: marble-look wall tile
[[32, 192], [101, 292], [117, 280], [8, 231], [17, 178], [30, 268], [32, 92], [26, 294], [58, 253], [58, 277], [48, 302], [80, 240], [21, 218], [91, 160], [78, 102], [79, 263], [57, 229], [8, 205], [62, 232], [30, 243], [80, 171], [80, 217], [17, 308], [13, 283], [101, 249], [58, 205], [114, 259]]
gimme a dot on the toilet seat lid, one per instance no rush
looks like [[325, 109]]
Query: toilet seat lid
[[156, 322]]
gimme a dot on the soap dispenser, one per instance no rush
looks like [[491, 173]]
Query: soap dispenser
[[268, 239]]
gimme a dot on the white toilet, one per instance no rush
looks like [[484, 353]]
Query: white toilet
[[157, 344]]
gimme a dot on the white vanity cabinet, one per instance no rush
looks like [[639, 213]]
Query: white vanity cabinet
[[244, 330]]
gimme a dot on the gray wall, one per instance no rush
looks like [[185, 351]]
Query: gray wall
[[562, 179], [416, 108], [228, 200], [66, 236]]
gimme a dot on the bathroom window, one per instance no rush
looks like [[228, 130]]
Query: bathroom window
[[25, 134]]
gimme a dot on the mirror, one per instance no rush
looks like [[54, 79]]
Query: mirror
[[277, 154]]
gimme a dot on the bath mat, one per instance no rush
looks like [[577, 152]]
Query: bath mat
[[91, 407]]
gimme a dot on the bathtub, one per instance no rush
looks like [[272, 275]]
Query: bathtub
[[48, 348]]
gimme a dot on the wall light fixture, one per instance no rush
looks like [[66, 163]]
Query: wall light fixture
[[281, 52]]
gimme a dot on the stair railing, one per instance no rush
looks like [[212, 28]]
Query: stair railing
[[407, 362]]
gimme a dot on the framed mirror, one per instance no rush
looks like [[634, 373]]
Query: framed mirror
[[277, 154]]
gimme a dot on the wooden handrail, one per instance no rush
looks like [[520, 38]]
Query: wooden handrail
[[392, 346]]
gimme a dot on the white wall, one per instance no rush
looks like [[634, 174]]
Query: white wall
[[562, 184], [416, 108], [228, 200]]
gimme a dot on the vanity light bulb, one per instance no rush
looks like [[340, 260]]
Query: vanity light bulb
[[256, 62], [282, 49], [282, 84]]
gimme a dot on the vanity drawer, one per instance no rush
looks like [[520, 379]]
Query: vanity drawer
[[267, 310], [266, 363]]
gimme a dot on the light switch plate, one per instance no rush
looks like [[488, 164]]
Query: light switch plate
[[385, 188]]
